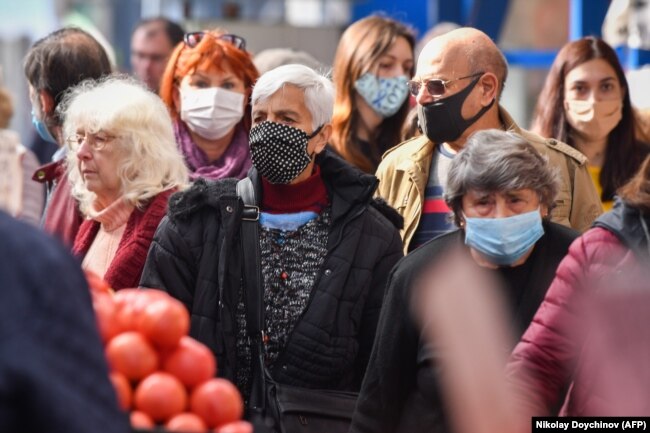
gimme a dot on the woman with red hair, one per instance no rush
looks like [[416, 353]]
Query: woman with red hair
[[207, 86]]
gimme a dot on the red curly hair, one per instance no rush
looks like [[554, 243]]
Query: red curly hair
[[211, 52]]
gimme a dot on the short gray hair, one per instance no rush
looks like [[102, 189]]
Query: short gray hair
[[319, 91], [494, 160]]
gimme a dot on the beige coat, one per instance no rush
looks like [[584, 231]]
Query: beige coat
[[404, 171]]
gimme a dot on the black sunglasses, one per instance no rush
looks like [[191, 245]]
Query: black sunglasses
[[435, 87], [192, 39]]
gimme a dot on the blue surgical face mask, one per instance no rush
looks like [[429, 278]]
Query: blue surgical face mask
[[503, 241], [41, 128], [385, 95]]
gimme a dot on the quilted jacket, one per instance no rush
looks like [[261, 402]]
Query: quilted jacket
[[586, 351], [196, 257]]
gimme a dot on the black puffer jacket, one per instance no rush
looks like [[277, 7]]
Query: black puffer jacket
[[196, 257]]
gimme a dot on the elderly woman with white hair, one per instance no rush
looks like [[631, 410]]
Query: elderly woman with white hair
[[123, 165], [326, 247], [501, 191]]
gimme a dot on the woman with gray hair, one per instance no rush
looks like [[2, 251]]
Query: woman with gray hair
[[501, 191], [123, 165], [326, 247]]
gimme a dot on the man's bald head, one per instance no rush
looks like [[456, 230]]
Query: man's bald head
[[470, 49]]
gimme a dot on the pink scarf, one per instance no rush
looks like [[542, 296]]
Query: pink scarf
[[235, 161]]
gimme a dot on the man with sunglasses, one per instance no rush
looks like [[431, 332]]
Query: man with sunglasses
[[459, 80]]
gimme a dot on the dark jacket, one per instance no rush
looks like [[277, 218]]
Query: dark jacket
[[196, 257], [53, 371], [125, 269], [586, 350], [400, 392]]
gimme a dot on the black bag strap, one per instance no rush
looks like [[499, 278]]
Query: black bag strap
[[253, 289]]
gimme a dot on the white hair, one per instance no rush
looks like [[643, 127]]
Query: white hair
[[319, 91], [118, 105]]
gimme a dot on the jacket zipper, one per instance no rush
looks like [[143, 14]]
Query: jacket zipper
[[315, 287]]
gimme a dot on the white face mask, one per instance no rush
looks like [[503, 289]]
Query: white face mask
[[211, 112], [593, 120]]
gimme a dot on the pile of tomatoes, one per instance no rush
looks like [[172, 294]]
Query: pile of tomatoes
[[160, 374]]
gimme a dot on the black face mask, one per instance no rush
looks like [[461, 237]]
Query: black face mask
[[279, 152], [441, 121]]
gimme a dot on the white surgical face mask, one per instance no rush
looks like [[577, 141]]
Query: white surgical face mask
[[211, 112]]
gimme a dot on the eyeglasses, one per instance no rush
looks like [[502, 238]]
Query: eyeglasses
[[436, 87], [96, 141], [192, 39]]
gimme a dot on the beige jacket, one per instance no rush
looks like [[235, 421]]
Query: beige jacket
[[404, 171]]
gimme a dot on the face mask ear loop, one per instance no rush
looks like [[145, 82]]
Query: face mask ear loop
[[315, 133], [312, 135]]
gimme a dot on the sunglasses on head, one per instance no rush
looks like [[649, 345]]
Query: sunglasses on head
[[192, 39], [436, 87]]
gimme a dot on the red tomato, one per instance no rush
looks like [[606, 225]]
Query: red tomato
[[161, 396], [217, 401], [96, 283], [191, 362], [141, 420], [164, 322], [186, 422], [235, 427], [104, 307], [122, 389], [132, 355], [130, 303]]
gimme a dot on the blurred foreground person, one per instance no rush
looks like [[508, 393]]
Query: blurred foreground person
[[123, 165], [326, 247], [53, 373], [60, 60], [465, 313], [501, 191], [586, 352]]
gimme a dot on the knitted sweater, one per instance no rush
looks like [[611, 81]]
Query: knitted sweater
[[290, 262], [126, 267]]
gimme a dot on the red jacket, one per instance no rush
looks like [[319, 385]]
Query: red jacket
[[126, 268], [62, 217], [581, 354]]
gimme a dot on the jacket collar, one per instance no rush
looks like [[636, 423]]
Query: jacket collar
[[508, 122], [627, 224], [423, 147], [347, 186], [49, 172]]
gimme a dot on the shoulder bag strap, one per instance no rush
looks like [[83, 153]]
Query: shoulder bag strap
[[253, 289]]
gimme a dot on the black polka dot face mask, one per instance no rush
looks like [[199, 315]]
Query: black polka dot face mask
[[279, 152]]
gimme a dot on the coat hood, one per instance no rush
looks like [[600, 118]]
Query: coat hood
[[347, 186], [630, 226]]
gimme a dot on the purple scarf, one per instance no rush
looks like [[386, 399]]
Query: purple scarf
[[235, 161]]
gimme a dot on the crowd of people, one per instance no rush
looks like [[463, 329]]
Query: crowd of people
[[363, 185]]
